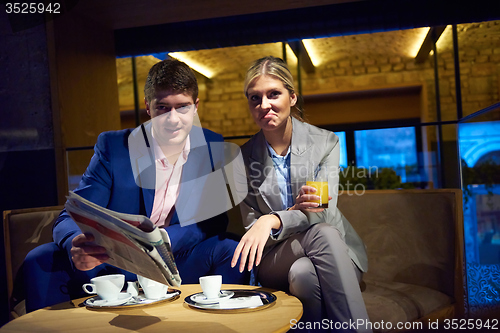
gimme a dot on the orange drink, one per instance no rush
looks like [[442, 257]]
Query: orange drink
[[321, 191]]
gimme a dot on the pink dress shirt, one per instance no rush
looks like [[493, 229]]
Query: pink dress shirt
[[168, 179]]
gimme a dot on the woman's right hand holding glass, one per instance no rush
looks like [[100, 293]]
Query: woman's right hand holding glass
[[305, 198]]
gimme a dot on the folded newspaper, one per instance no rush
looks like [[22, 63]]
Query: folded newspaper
[[133, 242]]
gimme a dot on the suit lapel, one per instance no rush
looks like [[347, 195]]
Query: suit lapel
[[191, 171], [143, 154], [194, 172], [149, 196], [198, 163], [143, 165], [300, 159], [263, 175]]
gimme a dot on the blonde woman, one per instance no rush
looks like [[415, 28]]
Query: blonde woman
[[313, 253]]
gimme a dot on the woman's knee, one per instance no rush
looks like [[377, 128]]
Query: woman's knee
[[302, 278], [325, 230], [325, 235]]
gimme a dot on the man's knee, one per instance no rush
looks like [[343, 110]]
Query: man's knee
[[224, 246], [43, 258], [221, 261], [45, 276]]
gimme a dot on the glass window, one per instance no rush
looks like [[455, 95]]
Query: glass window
[[343, 149], [480, 142], [393, 148]]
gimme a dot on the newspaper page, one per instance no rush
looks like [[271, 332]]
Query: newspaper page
[[133, 242]]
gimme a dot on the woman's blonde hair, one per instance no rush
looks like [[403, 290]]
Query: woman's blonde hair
[[277, 68]]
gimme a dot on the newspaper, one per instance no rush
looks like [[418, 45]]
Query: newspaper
[[133, 242]]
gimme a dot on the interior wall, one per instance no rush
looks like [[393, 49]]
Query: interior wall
[[86, 80], [225, 109], [27, 168], [85, 93], [365, 106], [345, 95]]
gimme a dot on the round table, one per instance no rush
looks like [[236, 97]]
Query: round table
[[170, 316]]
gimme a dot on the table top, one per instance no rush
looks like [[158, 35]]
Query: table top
[[173, 316]]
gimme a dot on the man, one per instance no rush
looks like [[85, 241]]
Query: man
[[148, 171]]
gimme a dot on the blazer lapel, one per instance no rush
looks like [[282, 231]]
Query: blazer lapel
[[263, 175], [143, 165], [197, 197], [301, 161], [149, 196]]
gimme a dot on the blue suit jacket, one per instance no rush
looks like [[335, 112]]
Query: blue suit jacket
[[109, 182]]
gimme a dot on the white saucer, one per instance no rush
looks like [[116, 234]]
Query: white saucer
[[97, 301], [200, 298], [142, 299]]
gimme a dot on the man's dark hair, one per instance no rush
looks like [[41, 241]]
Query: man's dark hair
[[173, 75]]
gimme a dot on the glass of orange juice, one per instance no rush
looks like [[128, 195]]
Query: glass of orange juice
[[319, 180]]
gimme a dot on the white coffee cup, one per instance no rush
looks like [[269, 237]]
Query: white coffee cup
[[151, 288], [211, 285], [107, 287]]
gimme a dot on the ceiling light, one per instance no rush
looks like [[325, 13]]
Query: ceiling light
[[419, 39], [200, 68], [444, 38], [429, 42], [313, 52], [291, 58]]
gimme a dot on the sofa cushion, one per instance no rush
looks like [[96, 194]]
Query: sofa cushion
[[409, 235], [400, 302]]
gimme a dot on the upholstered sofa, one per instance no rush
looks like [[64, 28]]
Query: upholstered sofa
[[414, 240]]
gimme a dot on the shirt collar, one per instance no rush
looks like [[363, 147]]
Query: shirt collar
[[160, 156], [273, 153]]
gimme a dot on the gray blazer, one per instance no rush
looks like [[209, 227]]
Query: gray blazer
[[310, 147]]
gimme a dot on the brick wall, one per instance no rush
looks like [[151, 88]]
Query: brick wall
[[224, 108]]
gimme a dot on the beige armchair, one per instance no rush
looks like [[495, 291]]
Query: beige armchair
[[24, 229]]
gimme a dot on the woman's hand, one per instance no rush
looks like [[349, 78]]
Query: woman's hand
[[253, 241], [85, 254], [303, 200]]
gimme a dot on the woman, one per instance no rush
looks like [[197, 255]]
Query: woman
[[314, 253]]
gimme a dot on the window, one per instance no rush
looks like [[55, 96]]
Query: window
[[393, 148], [343, 149]]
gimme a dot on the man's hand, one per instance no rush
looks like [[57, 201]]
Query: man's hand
[[253, 241], [85, 254]]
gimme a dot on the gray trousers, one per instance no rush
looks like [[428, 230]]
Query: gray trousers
[[314, 266]]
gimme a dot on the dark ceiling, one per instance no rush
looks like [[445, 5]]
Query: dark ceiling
[[334, 19], [122, 14]]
